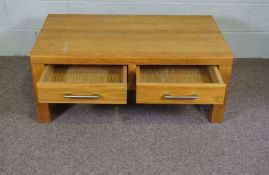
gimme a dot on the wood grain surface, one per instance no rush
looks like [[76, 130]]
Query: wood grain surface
[[133, 41], [108, 82], [179, 81], [130, 39]]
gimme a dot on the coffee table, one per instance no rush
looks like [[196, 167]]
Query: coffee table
[[96, 59]]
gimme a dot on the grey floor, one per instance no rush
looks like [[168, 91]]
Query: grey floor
[[135, 139]]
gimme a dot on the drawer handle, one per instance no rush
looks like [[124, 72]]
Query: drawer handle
[[183, 97], [81, 96]]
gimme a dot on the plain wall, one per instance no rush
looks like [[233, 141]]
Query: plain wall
[[244, 23]]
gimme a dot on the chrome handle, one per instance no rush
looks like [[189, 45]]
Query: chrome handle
[[95, 96], [181, 97]]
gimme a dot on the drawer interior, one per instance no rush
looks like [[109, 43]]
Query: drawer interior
[[84, 74], [179, 74]]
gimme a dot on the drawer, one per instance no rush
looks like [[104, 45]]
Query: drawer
[[83, 84], [179, 85]]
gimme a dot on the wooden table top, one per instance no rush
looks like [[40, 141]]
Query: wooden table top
[[130, 39]]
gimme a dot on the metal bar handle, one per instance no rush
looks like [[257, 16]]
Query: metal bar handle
[[181, 97], [95, 96]]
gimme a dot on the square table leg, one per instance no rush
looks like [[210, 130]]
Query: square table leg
[[42, 109], [216, 114]]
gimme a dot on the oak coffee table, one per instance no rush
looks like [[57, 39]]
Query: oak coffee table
[[95, 59]]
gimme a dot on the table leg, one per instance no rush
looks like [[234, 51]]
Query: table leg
[[216, 114], [42, 109]]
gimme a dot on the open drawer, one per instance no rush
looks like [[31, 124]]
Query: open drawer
[[83, 84], [179, 85]]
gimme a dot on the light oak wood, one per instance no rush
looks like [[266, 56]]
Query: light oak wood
[[108, 93], [42, 109], [124, 40], [131, 76], [130, 40], [83, 74], [175, 74], [215, 74], [216, 114], [146, 23], [154, 82], [124, 74], [108, 82]]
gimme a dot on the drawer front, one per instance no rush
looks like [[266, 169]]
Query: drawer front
[[163, 85], [179, 94], [83, 84], [83, 93]]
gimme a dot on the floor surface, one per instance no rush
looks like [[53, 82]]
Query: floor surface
[[135, 139]]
